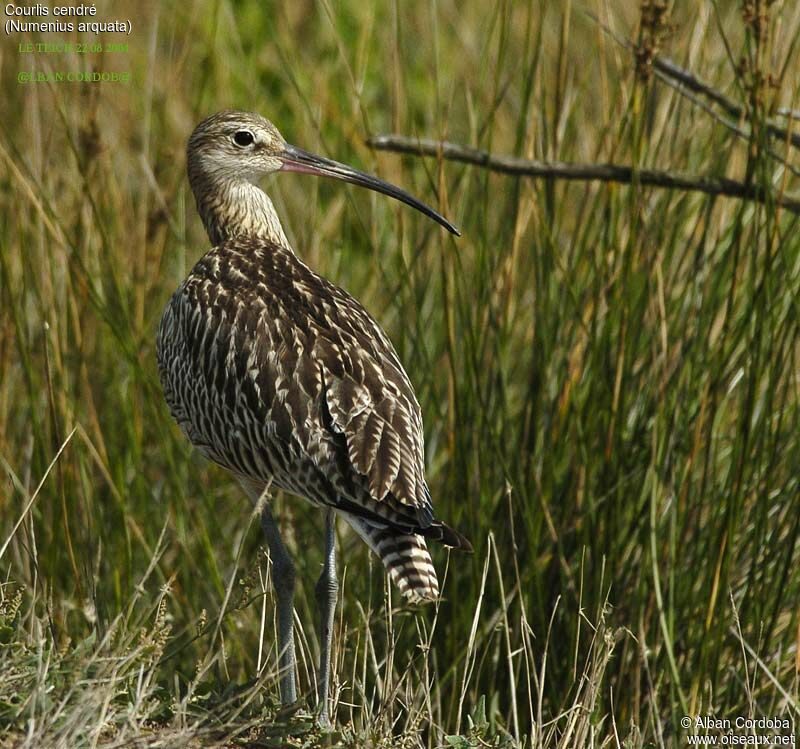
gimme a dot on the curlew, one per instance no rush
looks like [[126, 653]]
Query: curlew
[[285, 380]]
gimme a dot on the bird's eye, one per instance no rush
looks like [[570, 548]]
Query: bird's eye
[[243, 138]]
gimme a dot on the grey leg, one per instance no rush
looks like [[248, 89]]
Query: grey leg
[[283, 580], [327, 590]]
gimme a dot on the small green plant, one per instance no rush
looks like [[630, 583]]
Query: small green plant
[[479, 732]]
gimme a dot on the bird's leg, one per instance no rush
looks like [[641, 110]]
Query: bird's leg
[[327, 589], [283, 581]]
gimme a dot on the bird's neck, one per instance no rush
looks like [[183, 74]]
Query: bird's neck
[[232, 207]]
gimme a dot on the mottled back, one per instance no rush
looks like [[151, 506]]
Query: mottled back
[[321, 403]]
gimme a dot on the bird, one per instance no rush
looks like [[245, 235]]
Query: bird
[[286, 381]]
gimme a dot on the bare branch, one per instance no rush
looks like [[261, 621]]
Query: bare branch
[[582, 172], [668, 69], [683, 80], [709, 109]]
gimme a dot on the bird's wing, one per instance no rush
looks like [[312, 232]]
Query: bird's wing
[[371, 404], [267, 339], [383, 437]]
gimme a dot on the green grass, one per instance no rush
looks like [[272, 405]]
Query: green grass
[[609, 377]]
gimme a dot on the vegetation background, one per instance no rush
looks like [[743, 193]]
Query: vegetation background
[[609, 377]]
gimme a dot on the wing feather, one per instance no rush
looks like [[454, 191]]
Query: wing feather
[[299, 358]]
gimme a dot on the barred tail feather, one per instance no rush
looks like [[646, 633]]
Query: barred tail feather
[[405, 558]]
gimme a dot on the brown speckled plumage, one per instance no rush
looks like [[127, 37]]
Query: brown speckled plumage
[[283, 378], [279, 375]]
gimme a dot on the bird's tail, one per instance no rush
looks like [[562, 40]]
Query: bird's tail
[[405, 557]]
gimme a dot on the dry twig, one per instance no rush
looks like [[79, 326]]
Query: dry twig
[[582, 172], [683, 80]]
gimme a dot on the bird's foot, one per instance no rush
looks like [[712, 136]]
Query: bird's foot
[[323, 718]]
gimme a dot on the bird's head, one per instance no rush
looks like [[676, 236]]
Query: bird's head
[[237, 146]]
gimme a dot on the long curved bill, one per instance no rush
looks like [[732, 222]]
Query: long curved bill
[[297, 160]]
